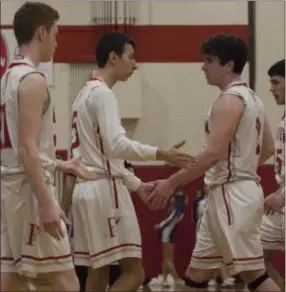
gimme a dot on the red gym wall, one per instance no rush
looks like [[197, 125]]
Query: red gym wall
[[76, 44], [83, 39]]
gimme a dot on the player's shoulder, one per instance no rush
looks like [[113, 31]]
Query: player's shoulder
[[33, 80], [100, 90]]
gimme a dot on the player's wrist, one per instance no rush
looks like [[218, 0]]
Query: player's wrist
[[46, 202], [66, 167], [160, 154], [173, 183]]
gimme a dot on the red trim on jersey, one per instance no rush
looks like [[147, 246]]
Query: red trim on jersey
[[107, 161], [12, 65], [95, 78], [229, 162], [19, 64], [54, 121], [236, 84], [108, 169], [226, 205]]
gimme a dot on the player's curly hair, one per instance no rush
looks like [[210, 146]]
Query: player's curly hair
[[227, 48]]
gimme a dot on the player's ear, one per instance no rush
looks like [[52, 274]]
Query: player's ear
[[41, 33], [112, 58], [230, 66]]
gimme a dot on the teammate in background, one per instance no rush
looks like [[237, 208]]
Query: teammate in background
[[273, 224], [238, 139], [166, 231], [33, 233], [105, 224]]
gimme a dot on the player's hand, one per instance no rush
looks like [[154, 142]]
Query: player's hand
[[159, 198], [75, 167], [274, 203], [144, 190], [174, 157], [51, 219]]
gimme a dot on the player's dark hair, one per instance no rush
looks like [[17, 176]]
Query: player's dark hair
[[111, 42], [29, 17], [277, 69], [226, 48]]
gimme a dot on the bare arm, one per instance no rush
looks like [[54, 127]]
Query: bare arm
[[226, 115], [268, 147], [32, 95]]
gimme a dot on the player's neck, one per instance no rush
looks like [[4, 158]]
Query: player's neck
[[106, 76], [228, 80], [31, 52]]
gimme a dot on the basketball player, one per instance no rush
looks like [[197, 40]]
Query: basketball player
[[166, 231], [273, 225], [33, 234], [105, 224], [238, 139]]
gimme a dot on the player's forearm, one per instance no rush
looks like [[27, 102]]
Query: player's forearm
[[124, 148], [29, 158], [205, 161], [63, 166], [67, 192], [132, 182]]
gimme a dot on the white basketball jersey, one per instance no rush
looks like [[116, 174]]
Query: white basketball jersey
[[280, 153], [87, 139], [241, 160], [19, 68]]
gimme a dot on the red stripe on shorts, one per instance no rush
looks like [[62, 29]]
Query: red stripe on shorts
[[226, 205], [6, 259], [107, 250], [39, 259], [207, 258], [248, 259]]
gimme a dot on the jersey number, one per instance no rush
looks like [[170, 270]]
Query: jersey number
[[258, 128], [5, 141], [75, 139]]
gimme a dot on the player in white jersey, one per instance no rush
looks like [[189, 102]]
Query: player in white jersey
[[273, 224], [104, 220], [33, 232], [238, 139]]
